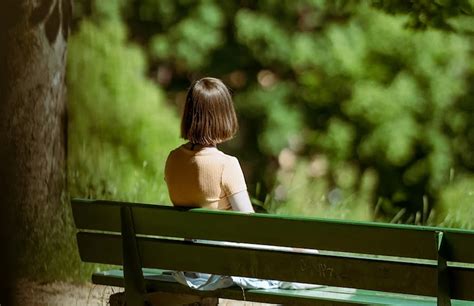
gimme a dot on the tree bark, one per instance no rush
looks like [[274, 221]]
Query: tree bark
[[33, 47]]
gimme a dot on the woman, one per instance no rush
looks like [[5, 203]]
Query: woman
[[197, 173]]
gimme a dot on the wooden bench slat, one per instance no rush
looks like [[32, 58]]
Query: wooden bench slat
[[323, 234], [401, 277], [323, 296]]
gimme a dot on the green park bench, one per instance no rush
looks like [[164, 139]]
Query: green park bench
[[384, 264]]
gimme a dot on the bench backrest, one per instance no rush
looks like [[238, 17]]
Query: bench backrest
[[384, 257]]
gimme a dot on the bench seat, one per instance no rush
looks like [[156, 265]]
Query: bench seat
[[160, 280]]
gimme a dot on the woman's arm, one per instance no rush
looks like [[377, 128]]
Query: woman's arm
[[240, 201]]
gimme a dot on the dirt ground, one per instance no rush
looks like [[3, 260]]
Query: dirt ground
[[68, 294]]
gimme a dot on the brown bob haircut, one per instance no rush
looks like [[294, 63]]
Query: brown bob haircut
[[209, 117]]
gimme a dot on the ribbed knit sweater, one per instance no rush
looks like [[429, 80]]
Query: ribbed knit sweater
[[203, 177]]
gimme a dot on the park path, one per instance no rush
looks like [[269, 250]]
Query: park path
[[70, 294]]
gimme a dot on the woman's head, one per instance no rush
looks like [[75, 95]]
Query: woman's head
[[209, 116]]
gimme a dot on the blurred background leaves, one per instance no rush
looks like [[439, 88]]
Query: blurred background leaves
[[348, 109], [118, 119]]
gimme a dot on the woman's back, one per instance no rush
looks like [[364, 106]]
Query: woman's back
[[203, 176]]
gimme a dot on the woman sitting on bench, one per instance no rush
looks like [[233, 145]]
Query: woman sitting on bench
[[199, 175]]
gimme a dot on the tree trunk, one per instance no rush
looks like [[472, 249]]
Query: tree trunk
[[32, 129]]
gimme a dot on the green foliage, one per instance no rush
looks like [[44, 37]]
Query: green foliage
[[279, 121], [108, 9], [427, 13], [263, 35], [304, 192], [121, 130], [189, 41], [338, 141], [382, 110], [400, 86], [456, 205]]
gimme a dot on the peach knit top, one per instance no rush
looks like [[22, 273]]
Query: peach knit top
[[203, 177]]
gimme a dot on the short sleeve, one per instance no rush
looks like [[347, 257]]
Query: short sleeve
[[233, 179]]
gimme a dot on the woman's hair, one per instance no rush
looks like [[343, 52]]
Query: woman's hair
[[209, 116]]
